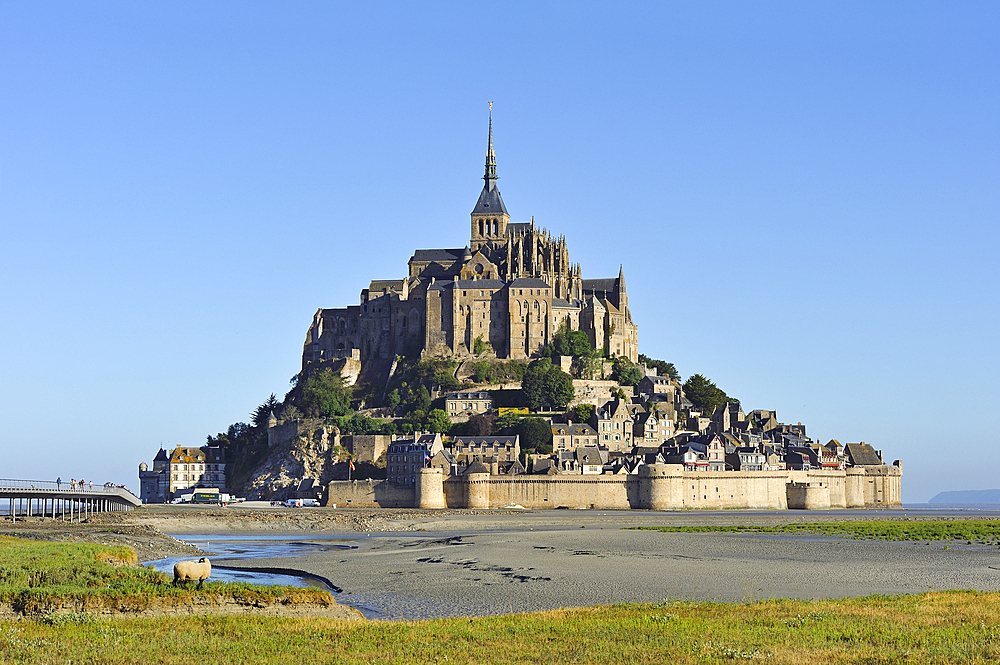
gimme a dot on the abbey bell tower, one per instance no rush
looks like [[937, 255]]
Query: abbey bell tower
[[489, 217]]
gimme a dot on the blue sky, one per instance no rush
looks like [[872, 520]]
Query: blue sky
[[803, 195]]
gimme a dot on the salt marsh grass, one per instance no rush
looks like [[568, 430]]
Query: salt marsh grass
[[39, 576], [938, 627], [985, 532]]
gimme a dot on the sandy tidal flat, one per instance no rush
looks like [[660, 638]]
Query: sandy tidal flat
[[526, 563]]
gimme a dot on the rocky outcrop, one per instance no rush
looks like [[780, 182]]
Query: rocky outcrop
[[296, 450]]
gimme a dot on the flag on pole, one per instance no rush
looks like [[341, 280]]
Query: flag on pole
[[351, 462]]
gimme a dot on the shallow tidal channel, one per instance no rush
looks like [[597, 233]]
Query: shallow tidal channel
[[219, 548]]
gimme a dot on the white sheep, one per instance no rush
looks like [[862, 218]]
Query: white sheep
[[185, 571]]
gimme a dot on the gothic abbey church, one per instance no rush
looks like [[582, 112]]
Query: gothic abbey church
[[513, 286]]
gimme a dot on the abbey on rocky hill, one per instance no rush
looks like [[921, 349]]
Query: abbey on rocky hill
[[512, 286]]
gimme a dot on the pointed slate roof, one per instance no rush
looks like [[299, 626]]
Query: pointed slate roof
[[862, 454], [476, 467]]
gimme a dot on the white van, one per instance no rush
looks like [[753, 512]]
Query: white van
[[312, 503], [293, 503]]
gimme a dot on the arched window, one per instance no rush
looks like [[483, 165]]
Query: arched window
[[480, 227], [495, 227]]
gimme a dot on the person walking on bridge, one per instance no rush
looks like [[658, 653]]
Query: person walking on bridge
[[58, 483]]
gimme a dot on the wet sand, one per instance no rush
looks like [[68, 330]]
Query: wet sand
[[466, 564]]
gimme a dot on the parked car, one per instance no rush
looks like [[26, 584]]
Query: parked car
[[293, 503], [311, 502]]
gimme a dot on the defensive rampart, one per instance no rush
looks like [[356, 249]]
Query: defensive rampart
[[369, 494], [655, 487]]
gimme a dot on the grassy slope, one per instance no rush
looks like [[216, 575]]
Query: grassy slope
[[939, 627]]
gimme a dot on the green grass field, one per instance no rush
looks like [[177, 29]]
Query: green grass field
[[970, 531], [939, 627]]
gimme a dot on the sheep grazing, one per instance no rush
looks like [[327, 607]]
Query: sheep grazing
[[188, 571]]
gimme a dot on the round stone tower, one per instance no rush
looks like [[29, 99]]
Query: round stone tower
[[660, 486], [854, 487], [478, 489], [430, 488]]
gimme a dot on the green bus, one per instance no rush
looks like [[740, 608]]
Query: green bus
[[206, 495]]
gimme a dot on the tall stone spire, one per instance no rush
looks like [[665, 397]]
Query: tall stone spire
[[490, 202], [491, 158]]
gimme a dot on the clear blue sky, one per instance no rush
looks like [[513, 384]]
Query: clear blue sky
[[804, 197]]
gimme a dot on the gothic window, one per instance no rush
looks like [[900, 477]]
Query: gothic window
[[480, 227]]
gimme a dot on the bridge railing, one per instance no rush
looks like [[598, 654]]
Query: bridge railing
[[64, 486]]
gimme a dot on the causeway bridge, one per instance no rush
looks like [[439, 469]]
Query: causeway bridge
[[62, 500]]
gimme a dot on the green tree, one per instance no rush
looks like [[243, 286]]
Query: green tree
[[533, 383], [704, 394], [324, 394], [662, 368], [568, 342], [360, 423], [447, 380], [438, 421], [506, 423], [263, 412], [625, 372], [291, 412], [420, 399], [482, 371], [392, 399], [416, 419], [559, 389], [545, 384], [581, 413], [536, 435], [479, 347]]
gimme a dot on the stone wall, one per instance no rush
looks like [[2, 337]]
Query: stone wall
[[596, 392], [656, 486], [611, 492], [366, 447], [368, 494]]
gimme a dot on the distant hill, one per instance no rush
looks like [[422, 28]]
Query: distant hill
[[967, 496]]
